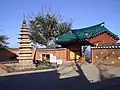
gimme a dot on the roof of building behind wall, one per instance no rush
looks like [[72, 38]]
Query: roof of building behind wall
[[85, 33]]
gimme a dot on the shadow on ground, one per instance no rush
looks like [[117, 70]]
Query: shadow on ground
[[50, 81]]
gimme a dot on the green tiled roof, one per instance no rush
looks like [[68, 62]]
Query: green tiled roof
[[85, 33]]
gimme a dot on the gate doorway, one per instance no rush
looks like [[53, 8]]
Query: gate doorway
[[86, 53]]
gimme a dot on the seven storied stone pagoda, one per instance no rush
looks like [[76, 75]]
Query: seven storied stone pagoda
[[25, 48]]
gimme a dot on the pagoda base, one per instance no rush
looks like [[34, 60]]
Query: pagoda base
[[22, 65], [26, 64]]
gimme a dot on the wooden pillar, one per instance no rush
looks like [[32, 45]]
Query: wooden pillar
[[92, 55], [80, 51], [67, 54]]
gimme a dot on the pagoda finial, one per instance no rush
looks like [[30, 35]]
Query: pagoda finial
[[24, 21]]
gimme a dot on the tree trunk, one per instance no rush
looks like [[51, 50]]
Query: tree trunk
[[34, 52]]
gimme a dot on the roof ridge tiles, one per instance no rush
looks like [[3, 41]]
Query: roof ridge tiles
[[87, 32], [90, 26]]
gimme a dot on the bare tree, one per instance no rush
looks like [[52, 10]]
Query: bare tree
[[45, 27]]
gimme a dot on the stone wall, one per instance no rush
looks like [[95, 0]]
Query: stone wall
[[106, 56], [60, 53]]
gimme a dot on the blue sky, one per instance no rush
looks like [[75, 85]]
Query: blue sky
[[81, 12]]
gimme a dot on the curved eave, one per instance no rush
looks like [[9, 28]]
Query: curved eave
[[25, 28], [79, 34], [25, 47], [23, 38], [113, 36], [24, 31], [24, 42], [24, 34], [82, 41], [65, 42]]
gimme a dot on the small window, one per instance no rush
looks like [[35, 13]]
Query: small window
[[45, 56], [48, 56]]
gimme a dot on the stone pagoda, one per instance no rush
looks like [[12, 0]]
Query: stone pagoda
[[25, 48]]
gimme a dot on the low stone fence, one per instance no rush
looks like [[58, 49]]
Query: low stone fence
[[9, 62]]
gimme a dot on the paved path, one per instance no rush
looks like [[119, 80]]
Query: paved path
[[110, 71], [67, 70], [69, 76], [25, 72], [2, 71], [91, 72], [115, 71], [70, 70]]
